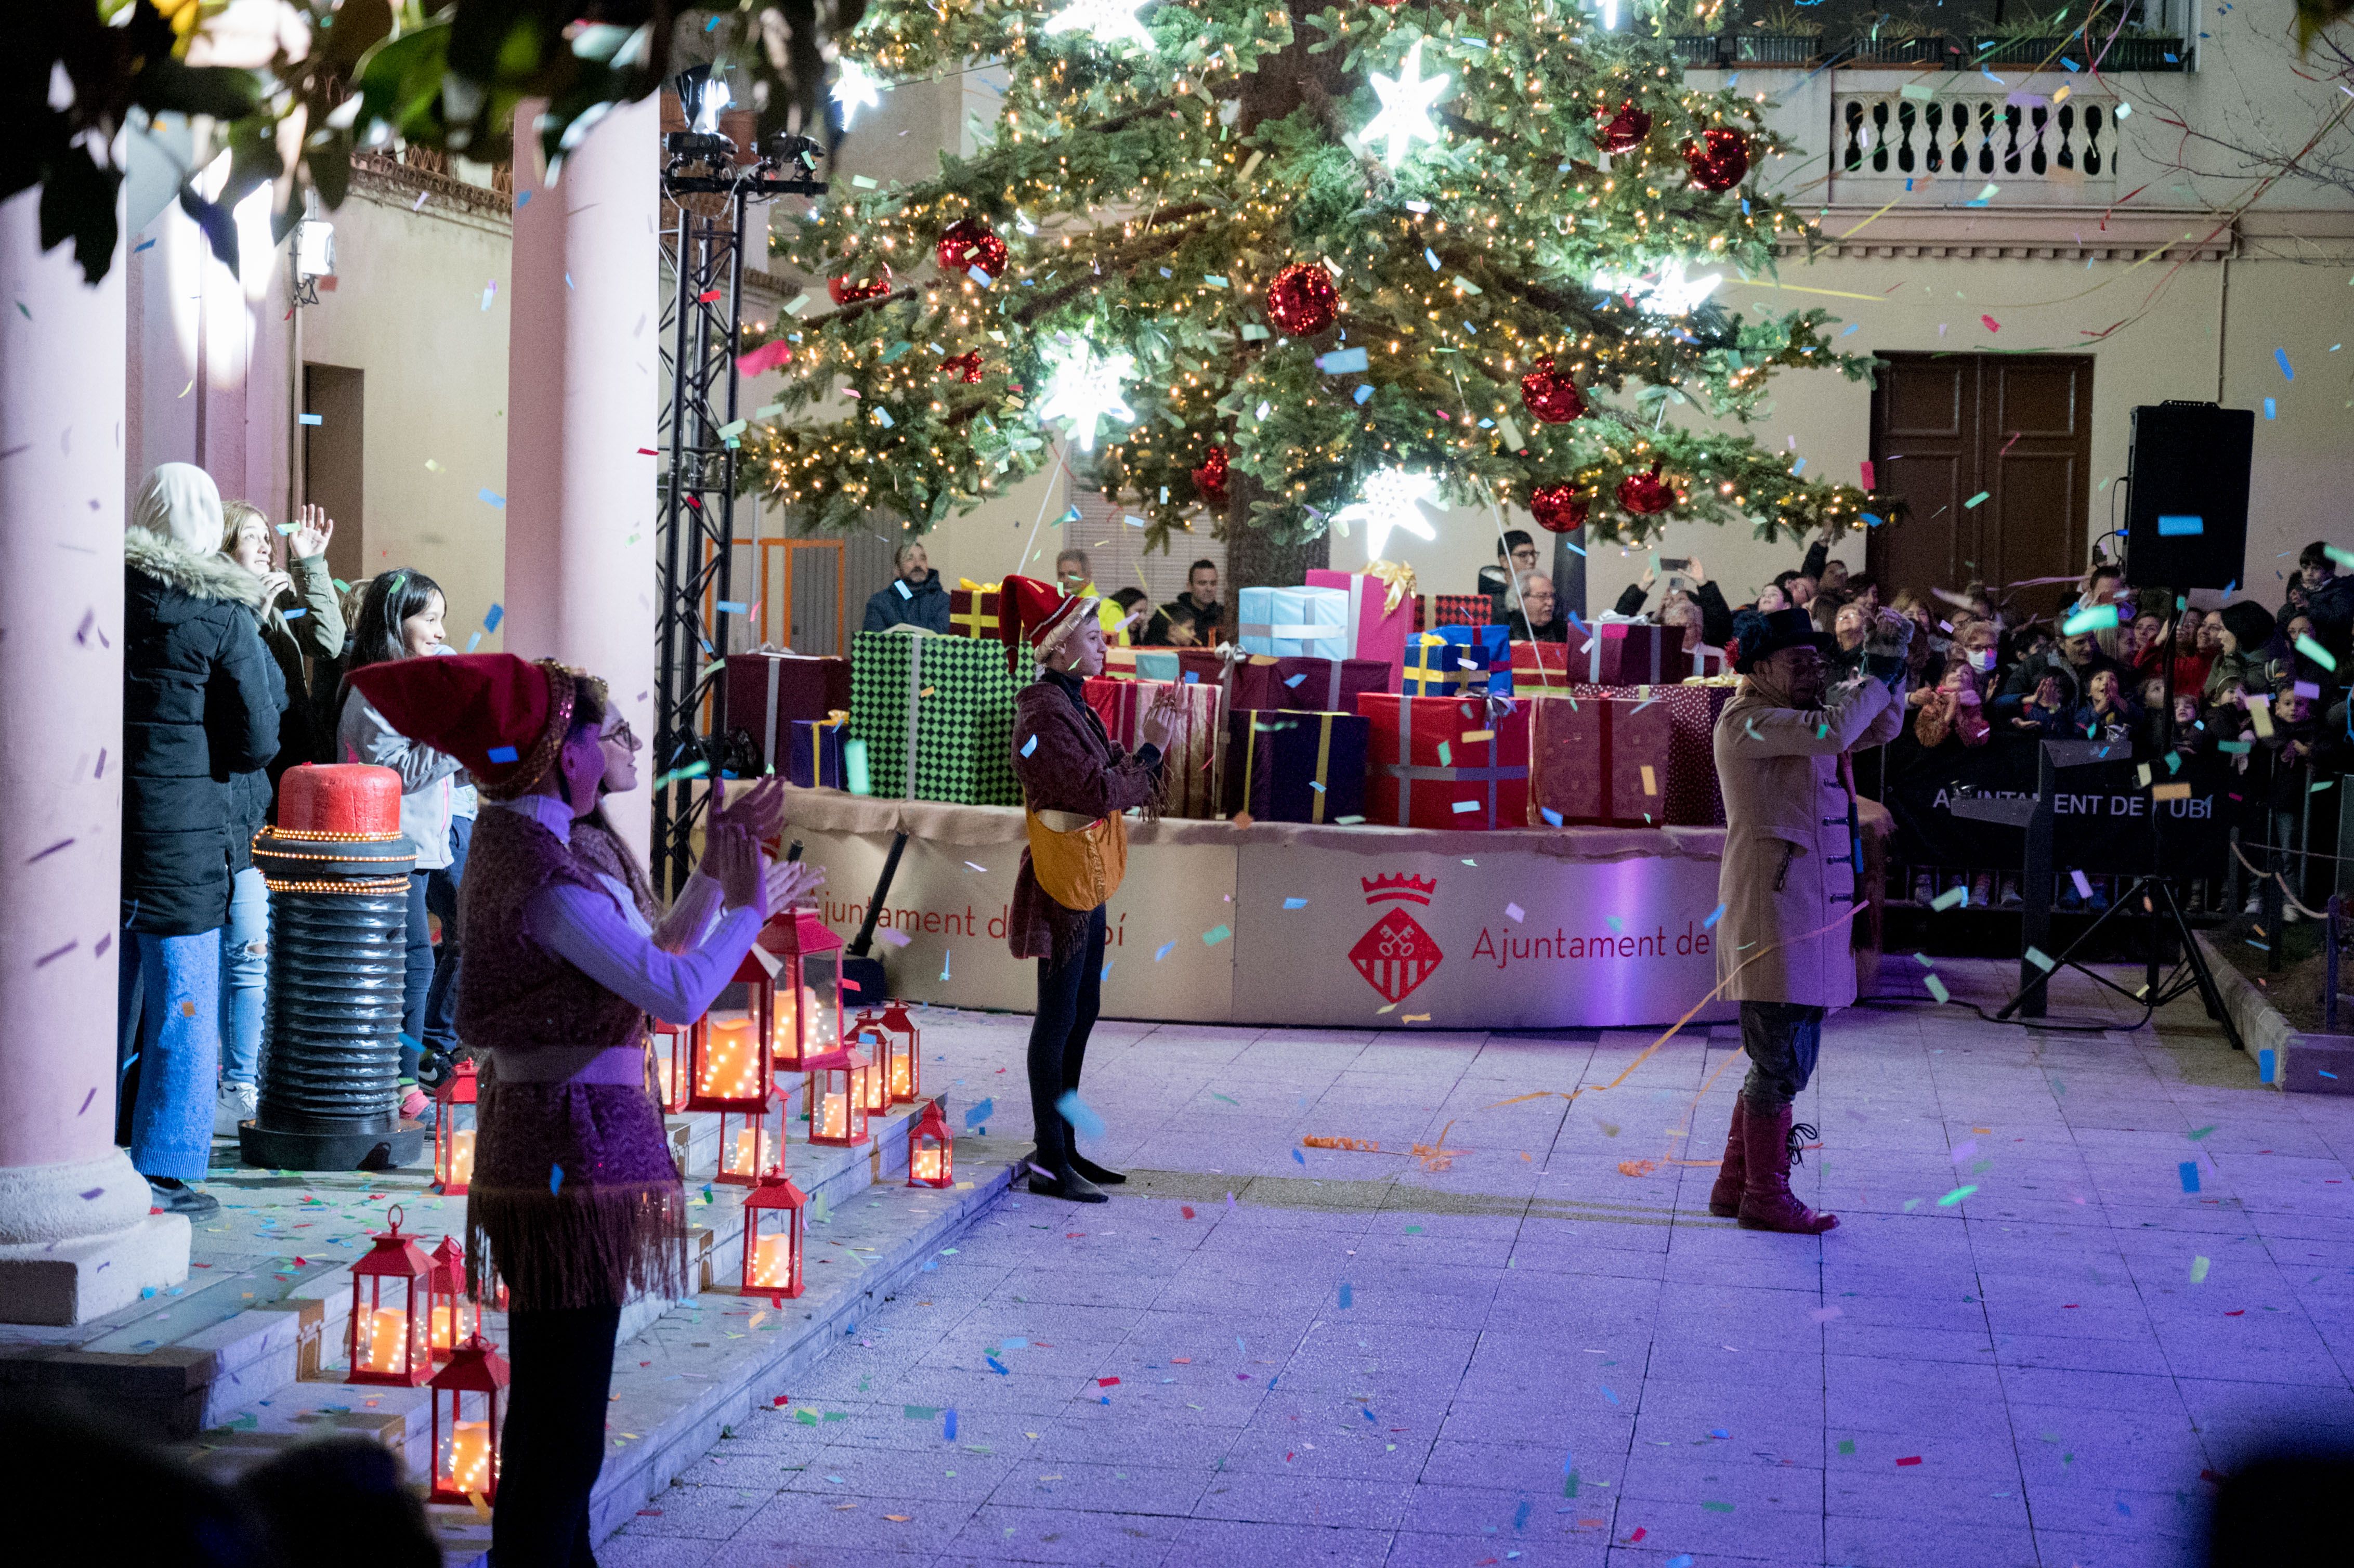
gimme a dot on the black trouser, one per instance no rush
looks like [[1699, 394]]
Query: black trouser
[[1068, 998], [1783, 1039], [554, 1444]]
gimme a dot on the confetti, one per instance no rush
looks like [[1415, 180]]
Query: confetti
[[2198, 1271], [1215, 935], [2188, 1170], [1992, 325], [1956, 1196], [2280, 355], [492, 498]]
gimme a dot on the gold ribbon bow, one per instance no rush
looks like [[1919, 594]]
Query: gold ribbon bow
[[967, 584], [1397, 577]]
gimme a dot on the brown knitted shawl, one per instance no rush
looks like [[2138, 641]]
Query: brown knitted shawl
[[575, 1199]]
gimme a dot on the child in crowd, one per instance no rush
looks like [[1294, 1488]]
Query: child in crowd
[[1953, 711], [2044, 715], [2106, 716]]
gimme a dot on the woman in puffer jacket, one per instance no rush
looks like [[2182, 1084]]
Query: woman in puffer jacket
[[200, 704]]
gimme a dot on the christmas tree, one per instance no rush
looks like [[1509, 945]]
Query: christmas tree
[[1280, 272]]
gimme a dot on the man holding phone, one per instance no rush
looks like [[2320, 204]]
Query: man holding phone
[[1075, 783]]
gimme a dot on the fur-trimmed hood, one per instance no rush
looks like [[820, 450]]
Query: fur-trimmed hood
[[208, 575]]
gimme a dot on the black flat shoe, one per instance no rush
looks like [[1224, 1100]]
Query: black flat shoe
[[1102, 1176], [1069, 1186], [176, 1197]]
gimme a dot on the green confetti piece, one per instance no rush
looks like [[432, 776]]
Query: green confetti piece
[[2039, 959], [2099, 618], [1956, 1196], [1228, 1098], [1973, 503], [1951, 897], [1936, 989], [1847, 1445], [2198, 1271], [2202, 1132], [920, 1412], [2316, 652], [1215, 935]]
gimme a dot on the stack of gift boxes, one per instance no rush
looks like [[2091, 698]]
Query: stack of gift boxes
[[1335, 707]]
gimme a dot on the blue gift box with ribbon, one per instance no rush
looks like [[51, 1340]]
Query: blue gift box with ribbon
[[1454, 660], [1295, 622]]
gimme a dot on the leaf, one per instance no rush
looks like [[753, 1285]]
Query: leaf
[[358, 26], [217, 91], [219, 227], [330, 167], [78, 204]]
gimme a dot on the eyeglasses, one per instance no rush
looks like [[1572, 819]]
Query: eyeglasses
[[621, 734]]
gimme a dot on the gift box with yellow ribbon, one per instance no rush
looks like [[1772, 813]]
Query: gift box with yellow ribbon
[[814, 758], [972, 608]]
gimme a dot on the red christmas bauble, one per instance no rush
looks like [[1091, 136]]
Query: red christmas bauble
[[963, 366], [1551, 396], [969, 242], [1646, 494], [1210, 478], [1301, 302], [1625, 130], [1719, 160], [849, 292], [1558, 508]]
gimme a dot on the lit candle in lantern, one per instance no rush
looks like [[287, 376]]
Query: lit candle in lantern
[[730, 1063], [445, 1325], [928, 1164], [900, 1086], [662, 1076], [468, 1463], [772, 1262], [747, 1157], [461, 1157], [387, 1329], [823, 1033], [835, 1110]]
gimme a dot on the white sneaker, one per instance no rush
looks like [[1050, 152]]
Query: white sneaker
[[237, 1102]]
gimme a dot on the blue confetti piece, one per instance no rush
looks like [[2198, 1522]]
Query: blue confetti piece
[[1681, 1561], [1348, 1295], [142, 245], [2326, 1073], [1298, 1158], [1163, 951], [1520, 1515], [1610, 1394], [997, 1366], [980, 1113], [1080, 1115], [502, 754], [474, 642], [948, 1425], [554, 1177], [1295, 903], [1850, 326], [296, 614], [2264, 1066], [1713, 917], [1364, 396], [901, 584], [492, 497], [1294, 681], [491, 621], [2271, 412], [1341, 361], [729, 606], [1552, 817], [2174, 525], [1030, 746], [2189, 1171], [2281, 354], [314, 419]]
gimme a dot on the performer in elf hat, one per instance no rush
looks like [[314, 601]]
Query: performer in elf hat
[[1075, 784], [1789, 880], [575, 1203]]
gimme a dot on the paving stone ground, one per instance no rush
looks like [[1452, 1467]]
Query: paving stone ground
[[1546, 1351]]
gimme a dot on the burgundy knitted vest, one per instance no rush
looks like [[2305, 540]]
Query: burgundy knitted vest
[[513, 993]]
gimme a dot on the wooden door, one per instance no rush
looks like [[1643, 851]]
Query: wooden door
[[1992, 456]]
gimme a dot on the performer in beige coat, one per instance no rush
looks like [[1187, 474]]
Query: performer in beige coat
[[1789, 881]]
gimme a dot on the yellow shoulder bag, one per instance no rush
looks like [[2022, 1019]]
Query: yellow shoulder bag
[[1078, 863]]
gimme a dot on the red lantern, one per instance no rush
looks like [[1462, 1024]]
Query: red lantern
[[1646, 494], [1210, 478], [774, 1229], [751, 1142], [969, 242], [1301, 301], [451, 1314], [385, 1343], [850, 290], [803, 958], [1623, 130], [667, 1044], [965, 367], [873, 1091], [837, 1098], [1551, 396], [453, 1143], [466, 1451], [903, 1054], [1558, 508], [727, 1063], [1719, 160], [931, 1151]]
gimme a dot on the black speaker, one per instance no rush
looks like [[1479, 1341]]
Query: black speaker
[[2187, 495]]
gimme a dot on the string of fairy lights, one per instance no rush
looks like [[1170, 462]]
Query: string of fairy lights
[[1354, 288]]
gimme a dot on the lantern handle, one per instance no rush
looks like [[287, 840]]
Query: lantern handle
[[393, 1216]]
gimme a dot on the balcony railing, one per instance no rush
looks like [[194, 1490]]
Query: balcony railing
[[1736, 51], [1973, 135]]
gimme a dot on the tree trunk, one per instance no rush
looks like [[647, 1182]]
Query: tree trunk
[[1256, 560]]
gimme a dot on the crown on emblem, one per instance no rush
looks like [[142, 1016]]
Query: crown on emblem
[[1401, 886]]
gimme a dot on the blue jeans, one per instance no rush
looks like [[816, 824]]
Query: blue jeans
[[245, 976], [175, 982], [416, 979], [441, 901]]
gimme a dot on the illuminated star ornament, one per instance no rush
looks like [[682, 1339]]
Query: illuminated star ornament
[[1662, 291], [1083, 389], [854, 89], [1106, 22], [1391, 499], [1406, 107]]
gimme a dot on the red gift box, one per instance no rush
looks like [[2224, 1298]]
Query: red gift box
[[1695, 798], [1188, 766], [1464, 610], [1540, 666], [1444, 762], [1376, 630], [1599, 760], [1307, 685], [973, 609], [769, 692], [1630, 653]]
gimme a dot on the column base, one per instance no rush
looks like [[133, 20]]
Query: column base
[[274, 1149], [59, 1284]]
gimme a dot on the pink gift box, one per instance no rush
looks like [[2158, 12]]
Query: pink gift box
[[1374, 631]]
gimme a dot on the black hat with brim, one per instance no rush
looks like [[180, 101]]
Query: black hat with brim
[[1761, 634]]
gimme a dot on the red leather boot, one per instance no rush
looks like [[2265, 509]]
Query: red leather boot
[[1766, 1201], [1724, 1198]]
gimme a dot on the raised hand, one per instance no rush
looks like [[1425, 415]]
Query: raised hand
[[791, 882], [312, 529], [1159, 720], [759, 810]]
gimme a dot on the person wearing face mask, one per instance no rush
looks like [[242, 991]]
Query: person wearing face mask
[[2072, 662], [576, 1205], [1789, 881], [400, 619]]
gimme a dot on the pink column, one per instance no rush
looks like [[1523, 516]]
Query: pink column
[[582, 360], [76, 1238]]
